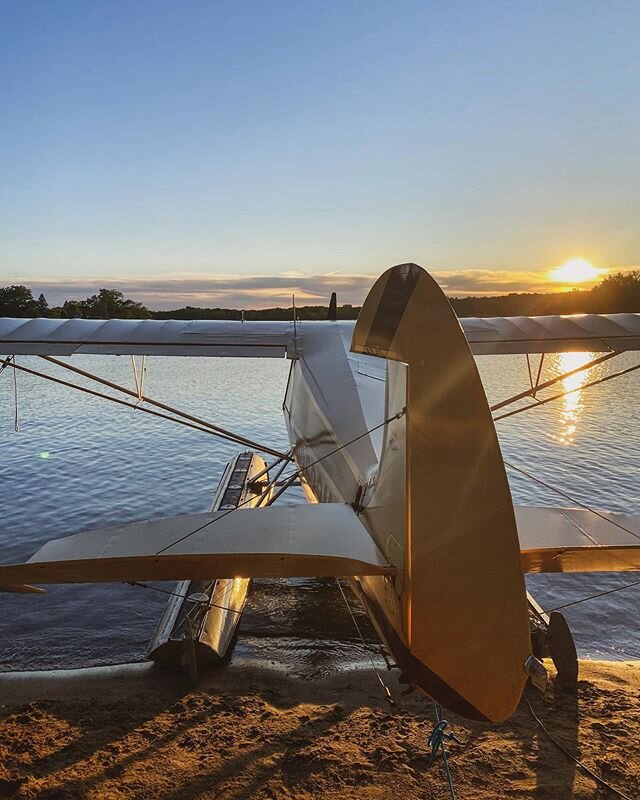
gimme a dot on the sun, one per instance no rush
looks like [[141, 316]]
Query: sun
[[576, 270]]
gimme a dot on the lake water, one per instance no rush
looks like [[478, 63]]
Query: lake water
[[80, 463]]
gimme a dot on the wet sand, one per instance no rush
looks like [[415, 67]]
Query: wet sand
[[251, 732]]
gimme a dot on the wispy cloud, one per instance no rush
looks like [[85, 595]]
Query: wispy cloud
[[263, 291]]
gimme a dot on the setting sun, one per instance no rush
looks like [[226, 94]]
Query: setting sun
[[576, 270]]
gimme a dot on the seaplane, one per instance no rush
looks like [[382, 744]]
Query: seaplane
[[394, 444]]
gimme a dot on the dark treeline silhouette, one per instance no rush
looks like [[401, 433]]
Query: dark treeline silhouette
[[619, 292], [616, 293], [18, 301], [302, 312]]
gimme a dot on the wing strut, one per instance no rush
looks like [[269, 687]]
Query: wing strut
[[538, 387], [181, 417], [595, 382]]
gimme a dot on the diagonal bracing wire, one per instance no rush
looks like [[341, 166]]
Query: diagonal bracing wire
[[385, 688], [593, 596], [571, 499], [538, 387], [539, 403], [532, 393], [298, 473], [210, 603], [142, 397], [597, 778], [181, 418]]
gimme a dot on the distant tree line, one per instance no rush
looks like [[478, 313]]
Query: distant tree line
[[619, 292], [302, 312], [18, 301]]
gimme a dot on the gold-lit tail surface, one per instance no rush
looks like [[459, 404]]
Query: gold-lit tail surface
[[464, 597]]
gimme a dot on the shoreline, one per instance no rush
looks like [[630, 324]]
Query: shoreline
[[136, 731]]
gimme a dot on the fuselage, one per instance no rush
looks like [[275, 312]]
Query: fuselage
[[335, 408], [413, 450], [333, 397]]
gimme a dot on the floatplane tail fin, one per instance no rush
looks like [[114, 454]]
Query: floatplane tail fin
[[464, 609]]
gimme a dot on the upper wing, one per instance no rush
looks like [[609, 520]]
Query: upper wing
[[577, 540], [63, 337], [552, 334], [324, 539]]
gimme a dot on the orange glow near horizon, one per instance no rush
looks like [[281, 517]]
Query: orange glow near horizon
[[576, 270]]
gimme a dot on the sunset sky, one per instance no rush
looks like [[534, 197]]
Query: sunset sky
[[229, 153]]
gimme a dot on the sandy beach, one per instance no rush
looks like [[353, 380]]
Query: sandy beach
[[251, 732]]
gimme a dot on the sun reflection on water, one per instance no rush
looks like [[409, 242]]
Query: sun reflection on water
[[572, 404]]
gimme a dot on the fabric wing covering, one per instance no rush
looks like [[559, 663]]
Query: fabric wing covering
[[553, 334], [491, 336], [577, 540], [325, 539], [55, 337]]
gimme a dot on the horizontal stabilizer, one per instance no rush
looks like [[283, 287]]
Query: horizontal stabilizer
[[326, 539], [577, 540]]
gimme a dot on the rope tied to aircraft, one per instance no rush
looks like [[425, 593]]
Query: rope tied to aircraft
[[436, 742]]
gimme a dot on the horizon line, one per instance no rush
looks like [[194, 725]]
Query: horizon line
[[258, 292]]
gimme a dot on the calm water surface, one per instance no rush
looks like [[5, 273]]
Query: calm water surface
[[79, 463]]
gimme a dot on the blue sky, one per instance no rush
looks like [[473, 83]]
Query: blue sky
[[174, 147]]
